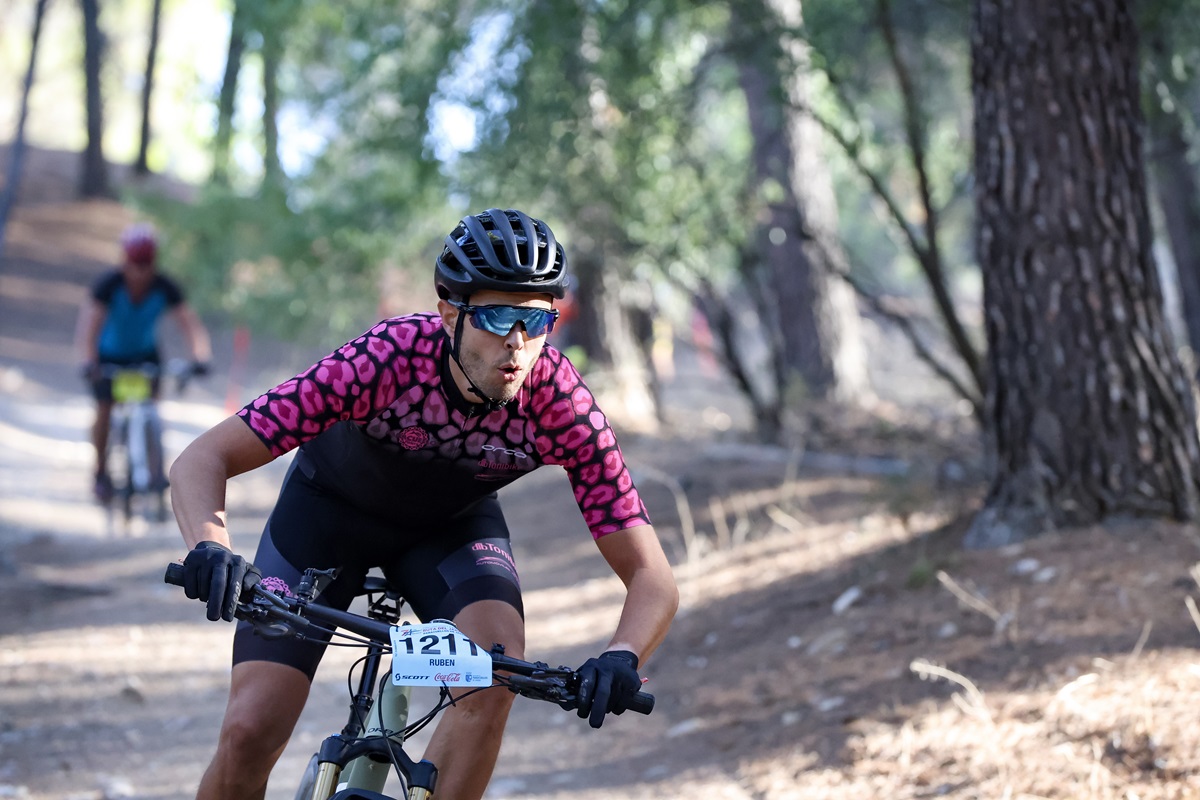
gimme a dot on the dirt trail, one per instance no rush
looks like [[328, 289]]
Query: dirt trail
[[1065, 668]]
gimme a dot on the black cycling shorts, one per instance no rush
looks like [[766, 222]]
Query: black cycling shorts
[[438, 569], [102, 386]]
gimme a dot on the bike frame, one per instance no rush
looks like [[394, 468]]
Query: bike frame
[[136, 440], [355, 764]]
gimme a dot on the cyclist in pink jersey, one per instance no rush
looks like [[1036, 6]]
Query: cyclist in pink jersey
[[402, 437]]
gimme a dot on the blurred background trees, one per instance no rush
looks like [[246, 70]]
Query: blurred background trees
[[756, 179]]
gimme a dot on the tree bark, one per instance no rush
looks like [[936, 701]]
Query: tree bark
[[94, 175], [141, 166], [1179, 199], [797, 233], [272, 50], [226, 102], [605, 330], [1089, 412]]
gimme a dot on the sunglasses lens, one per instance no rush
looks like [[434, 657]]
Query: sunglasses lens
[[501, 319]]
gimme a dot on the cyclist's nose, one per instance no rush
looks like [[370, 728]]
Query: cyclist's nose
[[515, 340]]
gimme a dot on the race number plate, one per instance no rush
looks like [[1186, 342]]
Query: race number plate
[[437, 654], [130, 386]]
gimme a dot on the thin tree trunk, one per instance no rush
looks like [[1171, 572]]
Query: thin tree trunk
[[1089, 412], [227, 100], [16, 155], [271, 54], [141, 167], [816, 317], [94, 179], [1179, 200]]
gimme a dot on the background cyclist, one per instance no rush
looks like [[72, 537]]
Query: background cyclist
[[118, 324], [405, 434]]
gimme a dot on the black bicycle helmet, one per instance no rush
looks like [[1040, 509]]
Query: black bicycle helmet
[[492, 251]]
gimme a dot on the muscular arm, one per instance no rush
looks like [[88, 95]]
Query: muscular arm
[[194, 332], [651, 598], [87, 330], [199, 475]]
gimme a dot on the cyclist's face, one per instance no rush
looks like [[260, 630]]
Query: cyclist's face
[[138, 276], [497, 364]]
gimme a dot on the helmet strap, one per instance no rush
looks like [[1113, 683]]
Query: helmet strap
[[489, 404]]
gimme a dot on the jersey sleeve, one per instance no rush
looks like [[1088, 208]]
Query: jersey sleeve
[[172, 293], [104, 288], [573, 432], [356, 382]]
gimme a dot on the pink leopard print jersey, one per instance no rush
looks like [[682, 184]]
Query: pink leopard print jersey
[[379, 422]]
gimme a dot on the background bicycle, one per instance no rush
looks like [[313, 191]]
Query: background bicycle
[[354, 763], [136, 456]]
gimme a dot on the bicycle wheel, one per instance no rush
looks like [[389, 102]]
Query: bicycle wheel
[[120, 470], [308, 781], [155, 462]]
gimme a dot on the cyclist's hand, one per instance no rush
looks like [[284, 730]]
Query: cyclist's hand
[[200, 368], [214, 574], [606, 684], [90, 371]]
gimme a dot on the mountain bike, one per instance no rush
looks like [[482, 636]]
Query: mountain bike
[[355, 763], [136, 459]]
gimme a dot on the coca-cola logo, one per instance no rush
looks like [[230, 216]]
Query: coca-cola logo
[[447, 677], [413, 438]]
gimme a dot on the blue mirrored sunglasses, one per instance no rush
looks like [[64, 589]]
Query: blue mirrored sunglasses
[[501, 319]]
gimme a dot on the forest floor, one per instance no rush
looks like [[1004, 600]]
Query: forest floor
[[834, 640]]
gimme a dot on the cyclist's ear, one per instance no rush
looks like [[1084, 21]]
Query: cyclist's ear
[[449, 316]]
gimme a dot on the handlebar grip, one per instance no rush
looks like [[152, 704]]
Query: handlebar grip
[[174, 575], [642, 703]]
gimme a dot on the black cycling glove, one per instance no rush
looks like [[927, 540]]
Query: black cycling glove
[[606, 684], [200, 368], [214, 574]]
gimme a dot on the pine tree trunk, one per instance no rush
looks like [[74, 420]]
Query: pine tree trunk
[[94, 175], [816, 316], [272, 53], [1179, 199], [1089, 412], [227, 100], [142, 166]]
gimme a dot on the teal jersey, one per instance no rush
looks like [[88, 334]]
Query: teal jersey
[[129, 334]]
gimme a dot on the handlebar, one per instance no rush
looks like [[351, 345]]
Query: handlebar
[[179, 370], [275, 616]]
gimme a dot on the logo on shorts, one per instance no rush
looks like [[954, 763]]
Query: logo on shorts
[[413, 438]]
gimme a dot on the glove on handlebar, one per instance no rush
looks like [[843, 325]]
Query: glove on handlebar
[[213, 574], [606, 684], [200, 368]]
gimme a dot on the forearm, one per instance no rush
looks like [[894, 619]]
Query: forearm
[[650, 605], [200, 473], [87, 333], [195, 334], [198, 498], [651, 596]]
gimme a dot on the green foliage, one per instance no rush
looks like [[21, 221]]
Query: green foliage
[[307, 258], [638, 128], [862, 98]]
